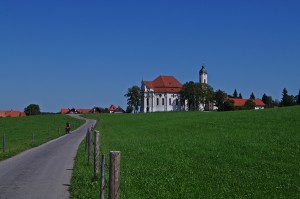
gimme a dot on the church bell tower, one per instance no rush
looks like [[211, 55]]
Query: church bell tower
[[203, 75]]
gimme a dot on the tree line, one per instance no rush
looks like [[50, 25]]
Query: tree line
[[193, 94]]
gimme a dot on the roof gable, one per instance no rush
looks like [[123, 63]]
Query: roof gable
[[164, 84]]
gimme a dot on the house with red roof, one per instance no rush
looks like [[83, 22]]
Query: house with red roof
[[237, 102], [112, 108], [75, 111], [12, 113]]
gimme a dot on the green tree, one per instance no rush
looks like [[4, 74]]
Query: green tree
[[298, 98], [220, 98], [196, 94], [32, 109], [129, 109], [235, 94], [267, 100], [287, 100], [228, 105], [252, 96], [249, 104], [240, 96], [134, 97]]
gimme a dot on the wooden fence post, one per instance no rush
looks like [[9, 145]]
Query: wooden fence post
[[32, 138], [89, 146], [3, 143], [102, 182], [96, 154], [114, 175]]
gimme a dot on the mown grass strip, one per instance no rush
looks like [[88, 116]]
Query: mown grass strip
[[244, 154], [27, 132]]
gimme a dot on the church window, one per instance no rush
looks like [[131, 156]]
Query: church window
[[176, 102], [170, 103], [157, 101], [163, 102]]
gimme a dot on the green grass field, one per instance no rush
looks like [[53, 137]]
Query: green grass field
[[241, 154], [19, 131]]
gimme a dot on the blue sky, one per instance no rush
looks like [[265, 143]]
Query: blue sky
[[85, 53]]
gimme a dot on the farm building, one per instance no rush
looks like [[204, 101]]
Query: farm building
[[12, 113], [259, 104]]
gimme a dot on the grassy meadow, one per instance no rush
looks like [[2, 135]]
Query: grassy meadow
[[241, 154], [19, 131]]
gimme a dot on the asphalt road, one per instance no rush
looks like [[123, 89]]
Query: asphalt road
[[42, 172]]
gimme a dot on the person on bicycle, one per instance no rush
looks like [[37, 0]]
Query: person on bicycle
[[68, 127]]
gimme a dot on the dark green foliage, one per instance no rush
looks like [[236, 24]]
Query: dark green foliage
[[287, 100], [187, 155], [220, 97], [240, 96], [252, 96], [267, 100], [249, 104], [235, 94], [298, 98], [228, 105], [129, 109], [134, 97], [32, 109], [196, 94]]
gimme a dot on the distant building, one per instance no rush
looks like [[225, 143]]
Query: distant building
[[112, 108], [75, 111], [259, 104], [12, 113], [161, 94]]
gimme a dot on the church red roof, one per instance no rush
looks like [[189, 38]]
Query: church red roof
[[164, 84]]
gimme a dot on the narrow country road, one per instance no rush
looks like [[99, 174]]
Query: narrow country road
[[43, 172]]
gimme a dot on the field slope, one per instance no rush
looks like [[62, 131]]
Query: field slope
[[242, 154]]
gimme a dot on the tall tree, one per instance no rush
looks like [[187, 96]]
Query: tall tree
[[240, 96], [252, 96], [134, 97], [298, 98], [287, 100], [267, 100], [195, 94], [220, 97], [32, 109], [235, 94]]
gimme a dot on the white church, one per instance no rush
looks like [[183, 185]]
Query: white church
[[162, 94]]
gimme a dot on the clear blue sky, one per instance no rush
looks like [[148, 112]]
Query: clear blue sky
[[85, 53]]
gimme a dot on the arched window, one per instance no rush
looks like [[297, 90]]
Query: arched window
[[157, 101], [170, 103], [163, 101]]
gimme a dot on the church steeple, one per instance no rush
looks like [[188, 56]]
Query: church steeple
[[203, 75]]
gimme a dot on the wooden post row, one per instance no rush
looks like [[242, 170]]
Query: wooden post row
[[102, 182], [89, 146], [114, 175], [96, 154]]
